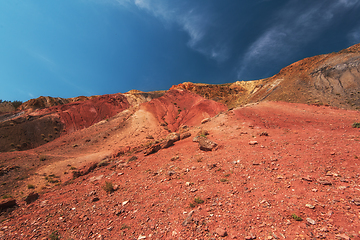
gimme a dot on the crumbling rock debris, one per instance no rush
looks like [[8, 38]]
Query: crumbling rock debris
[[185, 135], [168, 142], [152, 149], [170, 139]]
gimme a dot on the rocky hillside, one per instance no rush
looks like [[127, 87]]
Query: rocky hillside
[[330, 79], [35, 124]]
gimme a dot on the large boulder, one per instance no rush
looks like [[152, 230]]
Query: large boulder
[[206, 144], [7, 203]]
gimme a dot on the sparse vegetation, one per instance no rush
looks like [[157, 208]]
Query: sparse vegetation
[[6, 196], [356, 125], [196, 202], [52, 178], [30, 186], [224, 180], [297, 218], [42, 158], [124, 226], [54, 235], [109, 188]]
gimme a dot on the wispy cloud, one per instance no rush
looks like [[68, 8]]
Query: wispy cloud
[[296, 27], [295, 24], [354, 35], [193, 18]]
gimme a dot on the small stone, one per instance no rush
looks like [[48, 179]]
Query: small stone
[[342, 236], [307, 178], [324, 229], [141, 237], [205, 120], [253, 142], [324, 181], [125, 202], [221, 232], [174, 158], [251, 236], [170, 173], [356, 201], [188, 219], [310, 206], [309, 220], [95, 199]]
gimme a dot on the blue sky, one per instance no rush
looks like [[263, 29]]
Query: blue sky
[[70, 48]]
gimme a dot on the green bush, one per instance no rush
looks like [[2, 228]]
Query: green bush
[[297, 218], [356, 125]]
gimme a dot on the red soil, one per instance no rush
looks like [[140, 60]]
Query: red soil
[[182, 107], [248, 190], [83, 114]]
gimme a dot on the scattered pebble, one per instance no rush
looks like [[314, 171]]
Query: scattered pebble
[[311, 221]]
